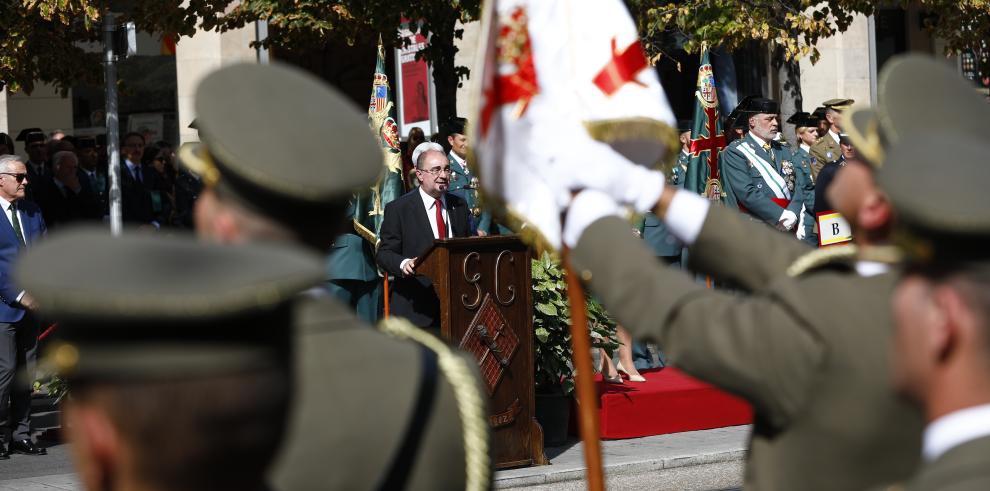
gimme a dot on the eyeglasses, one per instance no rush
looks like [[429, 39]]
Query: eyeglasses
[[437, 170], [17, 177]]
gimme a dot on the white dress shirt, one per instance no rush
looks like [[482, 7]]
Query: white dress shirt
[[460, 161], [430, 203], [955, 429], [805, 147], [834, 135]]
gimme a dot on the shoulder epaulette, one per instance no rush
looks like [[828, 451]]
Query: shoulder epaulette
[[822, 257], [471, 406]]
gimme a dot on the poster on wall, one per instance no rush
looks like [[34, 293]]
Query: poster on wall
[[416, 93], [150, 125]]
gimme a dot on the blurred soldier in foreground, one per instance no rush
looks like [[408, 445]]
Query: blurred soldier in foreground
[[371, 411], [808, 343], [176, 353], [942, 307]]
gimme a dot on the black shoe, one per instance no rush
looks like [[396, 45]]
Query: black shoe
[[26, 447], [4, 453]]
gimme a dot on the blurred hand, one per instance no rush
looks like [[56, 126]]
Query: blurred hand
[[409, 268], [29, 302]]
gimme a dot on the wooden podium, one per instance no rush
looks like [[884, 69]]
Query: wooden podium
[[486, 309]]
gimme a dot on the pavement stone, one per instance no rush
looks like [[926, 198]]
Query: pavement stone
[[635, 456]]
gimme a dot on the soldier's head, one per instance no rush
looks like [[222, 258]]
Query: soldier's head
[[176, 354], [833, 112], [290, 181], [684, 134], [456, 137], [941, 347], [847, 148], [760, 115], [805, 127], [433, 173], [34, 143]]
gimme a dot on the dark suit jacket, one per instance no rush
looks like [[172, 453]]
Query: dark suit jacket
[[136, 204], [33, 228], [62, 207], [406, 233]]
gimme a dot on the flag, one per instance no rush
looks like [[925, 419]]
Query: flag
[[369, 206], [707, 138], [565, 96]]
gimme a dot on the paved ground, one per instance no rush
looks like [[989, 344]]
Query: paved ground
[[697, 460]]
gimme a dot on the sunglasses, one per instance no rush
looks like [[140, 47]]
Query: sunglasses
[[17, 177]]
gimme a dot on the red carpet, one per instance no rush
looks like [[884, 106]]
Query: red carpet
[[668, 402]]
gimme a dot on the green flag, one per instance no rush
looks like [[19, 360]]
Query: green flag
[[707, 139], [369, 207]]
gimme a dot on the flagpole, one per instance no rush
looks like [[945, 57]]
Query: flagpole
[[584, 379]]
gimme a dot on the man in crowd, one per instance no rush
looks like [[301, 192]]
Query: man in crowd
[[65, 197], [88, 158], [462, 181], [136, 182], [22, 227], [758, 171], [292, 186], [827, 150], [822, 203], [166, 396], [804, 340], [412, 222], [941, 307], [34, 144]]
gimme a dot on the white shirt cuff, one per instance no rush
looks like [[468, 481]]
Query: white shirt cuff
[[586, 208], [402, 265], [20, 296], [686, 215]]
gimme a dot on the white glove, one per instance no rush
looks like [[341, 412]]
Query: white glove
[[787, 220], [586, 208]]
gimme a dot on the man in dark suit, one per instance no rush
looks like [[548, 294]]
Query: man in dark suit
[[410, 225], [21, 227], [66, 197], [136, 182], [94, 175]]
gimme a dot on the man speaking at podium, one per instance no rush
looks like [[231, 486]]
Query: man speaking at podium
[[410, 225]]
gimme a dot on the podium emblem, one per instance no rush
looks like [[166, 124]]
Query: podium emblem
[[492, 342]]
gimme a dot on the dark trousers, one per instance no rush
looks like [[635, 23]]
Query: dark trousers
[[18, 356]]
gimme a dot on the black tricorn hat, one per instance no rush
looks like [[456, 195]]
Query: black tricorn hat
[[455, 125], [31, 135]]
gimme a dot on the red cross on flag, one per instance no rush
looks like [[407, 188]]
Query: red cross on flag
[[565, 98]]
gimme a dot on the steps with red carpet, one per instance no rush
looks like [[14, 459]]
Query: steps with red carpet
[[668, 402]]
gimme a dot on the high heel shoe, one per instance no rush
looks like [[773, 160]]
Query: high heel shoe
[[617, 379], [633, 377]]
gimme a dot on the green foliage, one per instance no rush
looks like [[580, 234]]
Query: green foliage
[[55, 386], [551, 321]]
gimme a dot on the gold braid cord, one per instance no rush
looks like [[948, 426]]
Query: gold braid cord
[[470, 404], [820, 257]]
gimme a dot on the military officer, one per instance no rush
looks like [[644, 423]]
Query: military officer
[[827, 149], [805, 340], [820, 122], [805, 129], [373, 410], [942, 315], [180, 377], [463, 183], [758, 172]]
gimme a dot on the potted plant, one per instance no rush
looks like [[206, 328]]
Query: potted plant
[[554, 372]]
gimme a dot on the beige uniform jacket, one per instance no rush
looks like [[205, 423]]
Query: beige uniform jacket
[[963, 468], [810, 353], [355, 392], [825, 150]]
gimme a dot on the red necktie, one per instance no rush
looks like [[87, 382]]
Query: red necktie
[[441, 226]]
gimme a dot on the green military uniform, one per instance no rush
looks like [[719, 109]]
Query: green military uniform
[[461, 185], [352, 276], [392, 408], [753, 177], [171, 322], [654, 231], [805, 170], [809, 352], [826, 150], [963, 468]]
